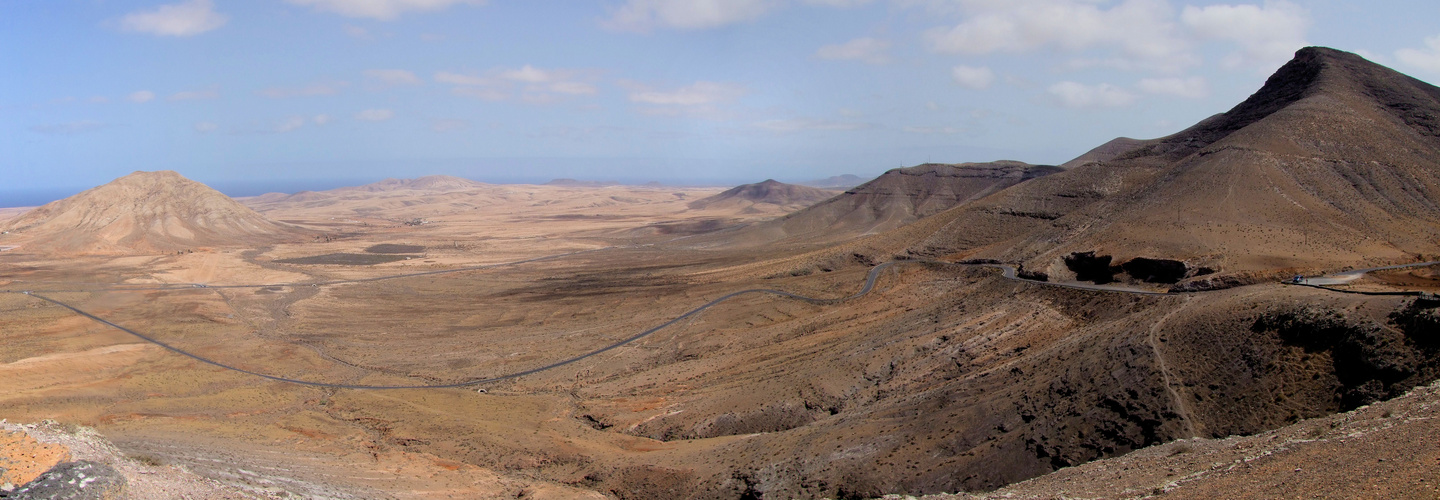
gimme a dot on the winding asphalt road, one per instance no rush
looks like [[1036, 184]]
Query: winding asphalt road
[[869, 285], [1348, 276], [1007, 271]]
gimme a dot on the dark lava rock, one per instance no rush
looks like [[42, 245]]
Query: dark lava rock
[[82, 480], [1155, 270], [1090, 267]]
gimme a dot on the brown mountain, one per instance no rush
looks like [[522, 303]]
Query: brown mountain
[[769, 192], [1334, 162], [145, 212], [1105, 152], [896, 198]]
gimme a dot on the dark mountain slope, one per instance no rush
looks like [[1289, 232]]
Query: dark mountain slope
[[1334, 162]]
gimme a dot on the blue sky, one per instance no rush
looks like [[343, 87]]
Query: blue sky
[[295, 94]]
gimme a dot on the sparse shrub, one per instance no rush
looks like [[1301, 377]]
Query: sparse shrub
[[147, 460]]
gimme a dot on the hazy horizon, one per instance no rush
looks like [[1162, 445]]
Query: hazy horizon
[[12, 198]]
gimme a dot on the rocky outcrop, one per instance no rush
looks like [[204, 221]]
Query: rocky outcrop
[[82, 480], [22, 458]]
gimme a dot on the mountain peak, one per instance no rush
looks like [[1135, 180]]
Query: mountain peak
[[146, 212], [1348, 80], [768, 191]]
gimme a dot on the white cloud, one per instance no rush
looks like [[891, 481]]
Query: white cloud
[[530, 84], [644, 15], [391, 77], [1427, 59], [803, 124], [528, 74], [314, 89], [1080, 96], [1140, 29], [180, 19], [870, 50], [448, 124], [696, 94], [375, 115], [573, 88], [321, 119], [843, 4], [1267, 35], [459, 79], [69, 128], [194, 95], [206, 127], [141, 96], [383, 10], [290, 124], [972, 77], [1191, 88], [482, 93]]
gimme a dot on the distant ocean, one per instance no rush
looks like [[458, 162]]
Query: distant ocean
[[37, 197]]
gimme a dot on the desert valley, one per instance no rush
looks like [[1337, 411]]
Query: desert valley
[[1125, 325]]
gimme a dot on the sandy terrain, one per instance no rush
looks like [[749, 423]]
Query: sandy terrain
[[943, 378], [709, 407]]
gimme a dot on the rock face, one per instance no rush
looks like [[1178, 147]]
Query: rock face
[[82, 480], [145, 212], [1334, 161], [770, 192]]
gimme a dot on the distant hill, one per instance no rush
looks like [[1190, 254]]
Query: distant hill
[[575, 183], [426, 183], [1105, 152], [1334, 162], [894, 199], [145, 212], [769, 192], [845, 181]]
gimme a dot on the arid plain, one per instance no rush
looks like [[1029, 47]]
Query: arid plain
[[949, 375]]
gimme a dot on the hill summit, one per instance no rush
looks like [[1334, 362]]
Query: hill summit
[[770, 191], [1334, 162], [894, 199], [145, 212]]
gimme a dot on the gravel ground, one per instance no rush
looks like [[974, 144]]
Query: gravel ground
[[145, 481], [1389, 449]]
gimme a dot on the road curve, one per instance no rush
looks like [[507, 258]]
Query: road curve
[[870, 280], [1346, 277], [1007, 271]]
